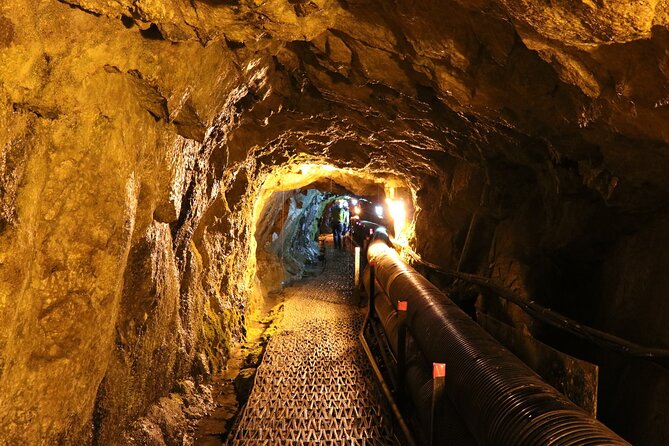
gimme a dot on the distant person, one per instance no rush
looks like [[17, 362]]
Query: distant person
[[338, 220], [347, 217]]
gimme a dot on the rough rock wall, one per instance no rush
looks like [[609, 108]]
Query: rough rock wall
[[121, 120], [570, 252], [631, 296], [286, 236], [98, 278]]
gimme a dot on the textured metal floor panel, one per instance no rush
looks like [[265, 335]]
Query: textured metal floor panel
[[315, 386]]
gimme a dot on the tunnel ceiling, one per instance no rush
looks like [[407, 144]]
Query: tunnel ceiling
[[137, 138], [399, 86]]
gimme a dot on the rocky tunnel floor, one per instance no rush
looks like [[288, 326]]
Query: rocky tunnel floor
[[315, 385]]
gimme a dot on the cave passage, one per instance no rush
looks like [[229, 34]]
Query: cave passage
[[315, 383], [168, 166]]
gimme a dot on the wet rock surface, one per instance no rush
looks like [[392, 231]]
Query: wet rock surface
[[287, 236], [172, 421], [230, 388]]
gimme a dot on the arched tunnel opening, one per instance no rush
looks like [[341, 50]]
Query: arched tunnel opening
[[295, 206], [168, 175]]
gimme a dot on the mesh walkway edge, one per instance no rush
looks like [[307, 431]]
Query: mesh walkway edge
[[315, 385]]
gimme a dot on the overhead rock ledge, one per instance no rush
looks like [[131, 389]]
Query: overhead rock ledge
[[138, 141]]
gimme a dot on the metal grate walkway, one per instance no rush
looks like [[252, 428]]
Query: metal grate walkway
[[315, 386]]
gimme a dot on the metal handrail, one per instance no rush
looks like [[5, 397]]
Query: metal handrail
[[408, 438], [554, 318]]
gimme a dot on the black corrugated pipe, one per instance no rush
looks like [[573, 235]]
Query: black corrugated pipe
[[501, 400], [450, 429]]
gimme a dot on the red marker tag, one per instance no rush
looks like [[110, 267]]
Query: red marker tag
[[438, 370], [402, 305], [372, 263]]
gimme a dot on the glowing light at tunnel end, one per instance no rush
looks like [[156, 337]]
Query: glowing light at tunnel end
[[398, 212]]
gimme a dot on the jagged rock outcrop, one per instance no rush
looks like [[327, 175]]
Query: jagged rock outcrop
[[287, 236], [139, 141]]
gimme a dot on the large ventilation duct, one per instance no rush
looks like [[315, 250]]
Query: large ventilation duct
[[500, 399]]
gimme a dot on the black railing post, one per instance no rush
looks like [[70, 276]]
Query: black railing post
[[402, 307], [372, 285], [438, 388]]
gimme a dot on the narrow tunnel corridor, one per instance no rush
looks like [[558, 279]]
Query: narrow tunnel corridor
[[315, 384], [165, 167]]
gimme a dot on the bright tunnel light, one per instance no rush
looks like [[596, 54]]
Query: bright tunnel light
[[399, 214]]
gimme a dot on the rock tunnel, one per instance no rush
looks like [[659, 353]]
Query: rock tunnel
[[150, 149]]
